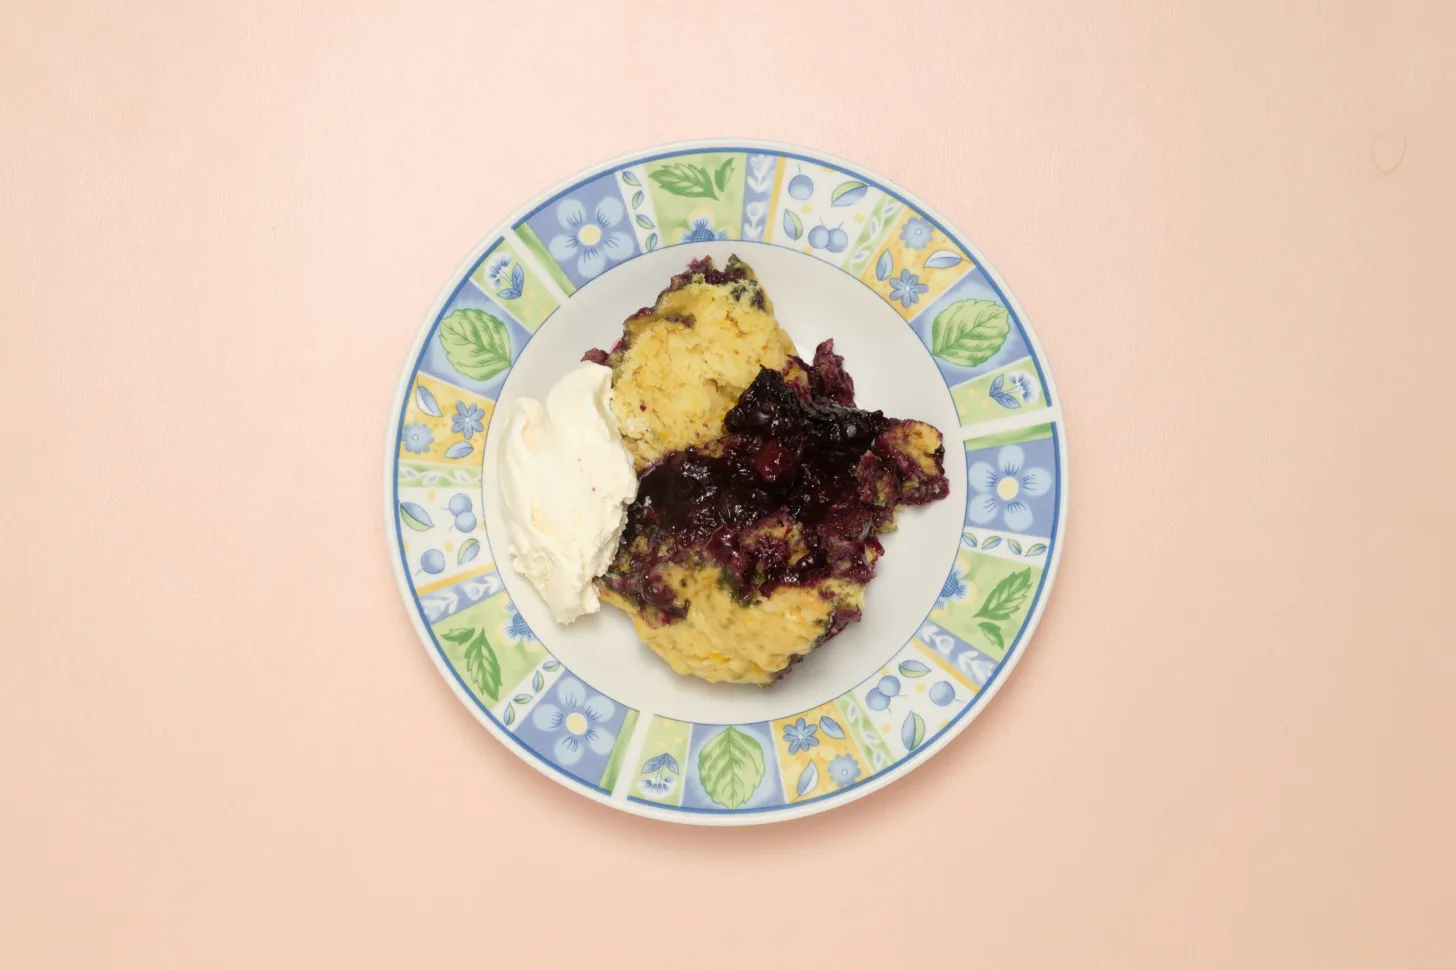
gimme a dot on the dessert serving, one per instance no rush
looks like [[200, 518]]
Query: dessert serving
[[752, 531], [658, 540]]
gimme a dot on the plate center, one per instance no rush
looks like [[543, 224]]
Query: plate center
[[893, 372]]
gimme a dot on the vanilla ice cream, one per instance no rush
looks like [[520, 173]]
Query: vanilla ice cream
[[567, 480]]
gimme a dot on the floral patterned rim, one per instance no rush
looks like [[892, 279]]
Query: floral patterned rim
[[928, 689]]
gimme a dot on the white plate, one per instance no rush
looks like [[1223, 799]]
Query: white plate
[[926, 329]]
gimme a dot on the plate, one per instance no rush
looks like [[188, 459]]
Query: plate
[[927, 329]]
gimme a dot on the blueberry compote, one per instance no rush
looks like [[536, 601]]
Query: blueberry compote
[[793, 493]]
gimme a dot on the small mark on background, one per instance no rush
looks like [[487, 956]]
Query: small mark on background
[[1387, 151]]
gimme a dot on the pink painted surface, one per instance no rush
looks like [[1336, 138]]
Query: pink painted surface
[[1231, 743]]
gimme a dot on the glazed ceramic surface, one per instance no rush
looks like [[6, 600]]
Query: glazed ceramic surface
[[926, 329]]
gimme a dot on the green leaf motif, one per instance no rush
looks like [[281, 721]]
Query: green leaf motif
[[551, 665], [730, 767], [1007, 597], [637, 198], [793, 228], [415, 517], [991, 543], [969, 332], [970, 539], [720, 177], [476, 344], [912, 732], [536, 681], [510, 716], [652, 242], [848, 193], [993, 633], [688, 181], [1037, 549], [522, 699], [1015, 546], [645, 222], [630, 179], [481, 666]]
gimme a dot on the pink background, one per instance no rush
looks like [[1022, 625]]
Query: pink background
[[1230, 745]]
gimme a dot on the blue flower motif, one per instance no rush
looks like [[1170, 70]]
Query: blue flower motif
[[417, 438], [843, 769], [467, 420], [999, 489], [587, 239], [916, 233], [505, 279], [701, 230], [495, 270], [953, 589], [516, 627], [580, 718], [1013, 389], [800, 735], [906, 288], [659, 767]]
